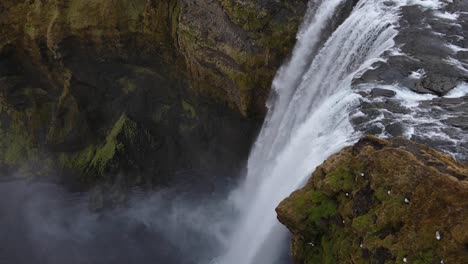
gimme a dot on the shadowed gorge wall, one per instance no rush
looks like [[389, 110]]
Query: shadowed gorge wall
[[101, 88]]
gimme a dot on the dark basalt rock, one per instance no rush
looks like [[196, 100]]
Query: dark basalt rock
[[378, 92], [383, 255], [395, 129], [461, 122], [363, 201], [438, 121], [437, 84], [423, 39]]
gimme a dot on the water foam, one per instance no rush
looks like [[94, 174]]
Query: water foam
[[307, 121]]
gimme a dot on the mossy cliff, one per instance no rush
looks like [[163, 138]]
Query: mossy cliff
[[237, 45], [381, 202], [97, 88], [228, 49]]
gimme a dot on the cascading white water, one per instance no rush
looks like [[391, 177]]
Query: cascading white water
[[307, 119]]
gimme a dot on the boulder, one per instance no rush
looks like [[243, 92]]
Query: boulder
[[379, 92]]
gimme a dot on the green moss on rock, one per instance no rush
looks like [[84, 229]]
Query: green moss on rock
[[189, 109], [340, 179], [104, 155], [19, 132], [393, 212]]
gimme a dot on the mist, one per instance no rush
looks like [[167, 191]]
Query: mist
[[44, 223]]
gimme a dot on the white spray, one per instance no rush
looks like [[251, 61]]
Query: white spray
[[307, 120]]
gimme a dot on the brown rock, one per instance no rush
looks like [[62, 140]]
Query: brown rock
[[411, 203]]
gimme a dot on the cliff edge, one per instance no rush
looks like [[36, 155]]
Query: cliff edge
[[381, 202]]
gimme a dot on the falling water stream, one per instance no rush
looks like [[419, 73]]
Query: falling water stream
[[310, 117], [307, 119]]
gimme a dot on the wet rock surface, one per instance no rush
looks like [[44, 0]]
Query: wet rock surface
[[439, 122], [378, 92], [419, 89], [429, 54], [381, 202]]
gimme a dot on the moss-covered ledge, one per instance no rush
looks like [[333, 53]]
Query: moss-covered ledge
[[381, 202]]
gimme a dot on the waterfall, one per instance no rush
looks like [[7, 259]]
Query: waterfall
[[307, 120]]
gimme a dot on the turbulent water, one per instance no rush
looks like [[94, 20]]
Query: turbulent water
[[308, 119], [315, 109], [309, 112]]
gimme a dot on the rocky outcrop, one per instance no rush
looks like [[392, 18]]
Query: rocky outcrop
[[233, 47], [101, 88], [381, 202]]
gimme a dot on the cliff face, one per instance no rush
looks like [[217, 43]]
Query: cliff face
[[381, 202], [229, 47], [234, 47], [103, 87]]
